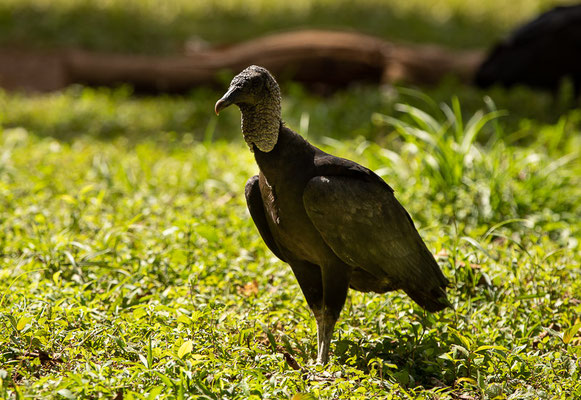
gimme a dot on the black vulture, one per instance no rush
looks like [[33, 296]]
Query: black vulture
[[539, 54], [336, 223]]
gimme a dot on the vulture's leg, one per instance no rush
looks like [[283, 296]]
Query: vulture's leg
[[309, 277], [335, 286], [310, 280]]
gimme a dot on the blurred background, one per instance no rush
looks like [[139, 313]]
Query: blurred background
[[42, 29], [154, 27]]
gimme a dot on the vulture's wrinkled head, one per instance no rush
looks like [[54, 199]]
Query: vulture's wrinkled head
[[250, 87], [257, 94]]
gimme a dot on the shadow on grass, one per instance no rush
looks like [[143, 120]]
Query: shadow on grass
[[409, 361]]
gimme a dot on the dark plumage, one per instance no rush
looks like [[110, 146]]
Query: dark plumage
[[335, 222], [539, 54]]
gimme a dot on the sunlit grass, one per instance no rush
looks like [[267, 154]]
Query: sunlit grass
[[130, 265], [113, 112]]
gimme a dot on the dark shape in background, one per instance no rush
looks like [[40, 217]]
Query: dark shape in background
[[539, 54]]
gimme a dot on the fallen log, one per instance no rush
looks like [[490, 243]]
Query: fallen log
[[325, 58]]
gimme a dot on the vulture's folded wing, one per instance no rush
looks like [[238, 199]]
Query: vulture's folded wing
[[366, 227], [256, 208]]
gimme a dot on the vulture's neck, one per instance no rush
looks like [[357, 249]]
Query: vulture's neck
[[261, 123], [292, 156]]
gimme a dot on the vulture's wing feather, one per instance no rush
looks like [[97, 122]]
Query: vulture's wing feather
[[366, 227], [256, 208]]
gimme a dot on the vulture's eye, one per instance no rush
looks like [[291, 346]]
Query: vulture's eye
[[255, 82]]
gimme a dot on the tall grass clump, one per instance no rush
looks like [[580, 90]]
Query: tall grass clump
[[470, 168]]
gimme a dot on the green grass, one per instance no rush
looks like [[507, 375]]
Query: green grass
[[151, 26], [131, 267], [109, 113]]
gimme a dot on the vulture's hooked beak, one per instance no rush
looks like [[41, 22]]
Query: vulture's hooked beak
[[228, 99]]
